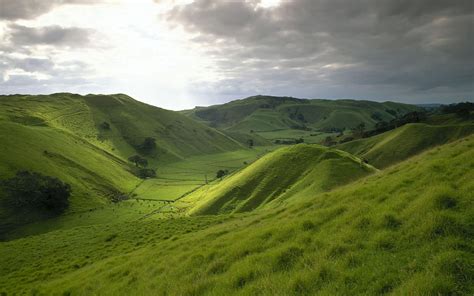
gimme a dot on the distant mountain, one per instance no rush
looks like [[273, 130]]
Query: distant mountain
[[267, 113]]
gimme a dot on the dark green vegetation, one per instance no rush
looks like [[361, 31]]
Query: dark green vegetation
[[228, 214], [32, 191], [283, 118]]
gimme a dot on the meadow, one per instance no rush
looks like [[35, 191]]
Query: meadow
[[386, 214], [390, 232]]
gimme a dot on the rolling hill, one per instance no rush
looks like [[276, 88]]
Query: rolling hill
[[406, 230], [86, 140], [399, 144], [286, 173], [267, 113]]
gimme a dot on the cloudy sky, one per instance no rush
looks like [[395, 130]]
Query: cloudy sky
[[180, 53]]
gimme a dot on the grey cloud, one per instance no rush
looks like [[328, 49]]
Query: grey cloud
[[312, 47], [29, 9], [50, 35], [31, 64]]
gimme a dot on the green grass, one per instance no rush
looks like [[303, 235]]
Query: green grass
[[284, 174], [266, 113], [399, 144], [178, 178], [406, 230], [95, 176], [61, 135], [310, 137], [300, 220], [173, 181]]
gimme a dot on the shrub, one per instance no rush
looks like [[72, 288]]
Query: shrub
[[32, 190], [221, 173], [146, 173], [148, 145], [105, 125], [138, 160]]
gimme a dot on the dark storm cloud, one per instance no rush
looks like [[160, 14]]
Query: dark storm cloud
[[340, 47], [29, 9], [50, 35]]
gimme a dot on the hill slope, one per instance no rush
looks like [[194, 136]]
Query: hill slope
[[266, 113], [406, 230], [86, 140], [396, 145], [285, 173]]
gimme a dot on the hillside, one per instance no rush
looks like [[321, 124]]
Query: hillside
[[86, 141], [399, 144], [406, 231], [286, 173], [266, 113]]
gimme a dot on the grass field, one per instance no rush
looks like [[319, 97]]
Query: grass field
[[406, 230], [399, 144]]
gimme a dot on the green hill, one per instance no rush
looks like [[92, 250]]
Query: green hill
[[399, 144], [266, 113], [283, 174], [86, 140], [406, 230]]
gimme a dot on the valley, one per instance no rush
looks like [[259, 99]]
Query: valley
[[264, 195]]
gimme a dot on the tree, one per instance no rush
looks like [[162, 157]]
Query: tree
[[359, 129], [105, 125], [135, 159], [148, 144], [146, 173], [250, 143], [221, 173], [30, 190], [299, 141], [328, 141], [143, 162], [138, 161]]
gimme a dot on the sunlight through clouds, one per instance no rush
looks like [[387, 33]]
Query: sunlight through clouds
[[180, 53]]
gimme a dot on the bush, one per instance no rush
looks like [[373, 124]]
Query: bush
[[146, 173], [221, 173], [148, 145], [30, 190], [138, 160], [105, 125]]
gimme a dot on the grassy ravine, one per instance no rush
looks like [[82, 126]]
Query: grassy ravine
[[286, 173], [401, 143], [406, 230]]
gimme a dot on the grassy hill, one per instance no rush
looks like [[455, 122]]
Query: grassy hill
[[86, 140], [406, 230], [283, 174], [266, 113], [396, 145]]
